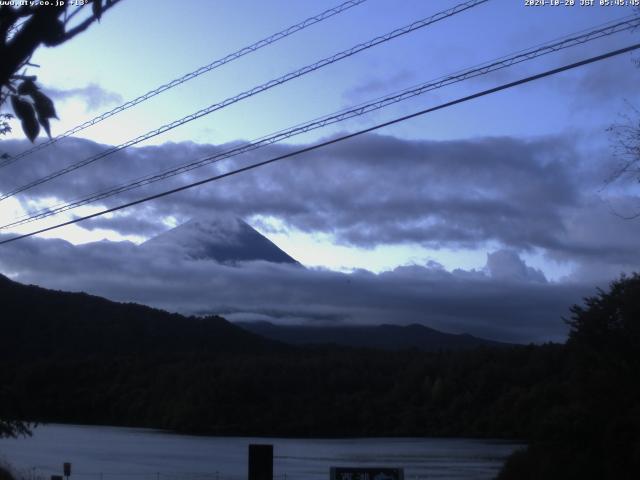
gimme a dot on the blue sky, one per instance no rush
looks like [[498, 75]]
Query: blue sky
[[554, 130], [142, 44]]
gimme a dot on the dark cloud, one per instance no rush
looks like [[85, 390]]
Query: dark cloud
[[127, 225], [92, 95], [500, 302], [121, 167], [526, 195], [375, 86], [594, 84]]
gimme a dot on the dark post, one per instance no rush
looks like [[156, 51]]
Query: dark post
[[66, 466], [260, 462]]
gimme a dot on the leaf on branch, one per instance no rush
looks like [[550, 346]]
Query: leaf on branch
[[53, 32], [44, 105], [31, 128], [97, 9], [25, 112], [45, 124], [27, 87], [44, 110], [4, 125], [22, 108]]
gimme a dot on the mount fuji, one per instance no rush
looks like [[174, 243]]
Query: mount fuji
[[225, 239]]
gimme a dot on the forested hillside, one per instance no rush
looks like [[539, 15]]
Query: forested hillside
[[81, 359], [41, 323]]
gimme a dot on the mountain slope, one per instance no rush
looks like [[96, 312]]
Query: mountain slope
[[82, 359], [222, 238], [38, 322], [386, 337]]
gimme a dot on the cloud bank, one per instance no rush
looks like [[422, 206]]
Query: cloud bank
[[539, 195], [501, 195], [506, 301]]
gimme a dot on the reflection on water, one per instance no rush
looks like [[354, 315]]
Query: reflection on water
[[109, 453]]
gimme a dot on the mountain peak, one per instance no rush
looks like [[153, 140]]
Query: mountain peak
[[223, 238]]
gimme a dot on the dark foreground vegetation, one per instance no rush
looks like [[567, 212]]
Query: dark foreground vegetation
[[76, 358], [5, 474], [591, 430]]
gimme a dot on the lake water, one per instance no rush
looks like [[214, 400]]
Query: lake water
[[110, 453]]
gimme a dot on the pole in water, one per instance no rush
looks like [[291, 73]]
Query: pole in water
[[260, 462]]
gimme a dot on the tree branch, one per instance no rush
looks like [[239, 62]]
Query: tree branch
[[82, 26], [20, 48], [73, 14]]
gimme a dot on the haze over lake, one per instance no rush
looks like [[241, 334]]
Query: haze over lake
[[110, 453]]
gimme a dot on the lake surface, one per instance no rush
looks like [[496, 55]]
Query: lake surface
[[111, 453]]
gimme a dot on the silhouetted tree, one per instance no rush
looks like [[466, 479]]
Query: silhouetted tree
[[593, 431], [23, 28], [13, 428], [609, 321], [626, 143]]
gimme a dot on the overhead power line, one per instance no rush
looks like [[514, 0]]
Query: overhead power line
[[404, 118], [255, 90], [190, 76], [607, 29]]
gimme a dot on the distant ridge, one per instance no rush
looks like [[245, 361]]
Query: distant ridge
[[38, 322], [385, 337], [225, 239]]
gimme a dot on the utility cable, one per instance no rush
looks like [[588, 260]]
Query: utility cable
[[483, 69], [190, 76], [255, 90], [333, 141]]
